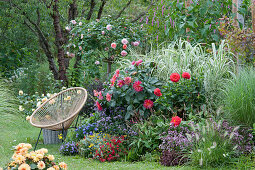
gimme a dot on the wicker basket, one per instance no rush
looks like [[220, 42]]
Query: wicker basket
[[52, 136]]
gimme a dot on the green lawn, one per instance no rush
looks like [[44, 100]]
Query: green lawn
[[14, 130]]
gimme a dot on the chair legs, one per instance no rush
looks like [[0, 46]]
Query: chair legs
[[77, 121], [38, 139], [63, 130]]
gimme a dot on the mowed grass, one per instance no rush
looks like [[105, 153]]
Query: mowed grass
[[14, 129]]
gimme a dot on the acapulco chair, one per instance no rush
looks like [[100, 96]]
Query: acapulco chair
[[59, 112]]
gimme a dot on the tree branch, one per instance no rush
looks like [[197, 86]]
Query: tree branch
[[144, 12], [92, 6], [100, 11], [123, 9]]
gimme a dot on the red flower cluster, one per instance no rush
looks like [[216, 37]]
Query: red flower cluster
[[176, 120], [175, 77], [112, 150], [157, 92], [137, 86]]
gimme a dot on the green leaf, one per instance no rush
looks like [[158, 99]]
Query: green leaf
[[127, 116], [33, 166]]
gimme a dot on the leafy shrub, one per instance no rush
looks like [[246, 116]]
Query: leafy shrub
[[169, 20], [241, 42], [239, 99], [104, 40], [23, 159], [132, 89], [184, 96], [69, 148], [28, 103], [35, 78], [217, 143], [148, 137]]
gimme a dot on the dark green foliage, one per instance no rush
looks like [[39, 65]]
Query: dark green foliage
[[169, 20], [183, 97]]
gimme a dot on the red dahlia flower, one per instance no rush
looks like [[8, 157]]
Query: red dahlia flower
[[113, 79], [121, 83], [108, 97], [99, 107], [186, 75], [137, 86], [127, 80], [175, 77], [148, 104], [157, 92], [176, 120]]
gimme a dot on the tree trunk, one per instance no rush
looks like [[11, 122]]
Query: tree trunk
[[73, 12], [109, 68], [100, 11], [92, 6], [59, 41]]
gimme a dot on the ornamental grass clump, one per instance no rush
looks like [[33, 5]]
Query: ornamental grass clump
[[216, 144], [238, 98]]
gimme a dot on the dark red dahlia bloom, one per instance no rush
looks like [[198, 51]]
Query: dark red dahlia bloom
[[175, 77], [186, 75], [148, 104], [176, 120], [157, 92]]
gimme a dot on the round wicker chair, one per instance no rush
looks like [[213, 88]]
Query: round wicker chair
[[58, 112]]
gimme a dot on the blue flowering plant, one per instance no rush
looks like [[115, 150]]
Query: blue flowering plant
[[86, 129], [112, 122], [69, 148]]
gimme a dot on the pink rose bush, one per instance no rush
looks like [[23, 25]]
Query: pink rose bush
[[115, 37], [131, 88]]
